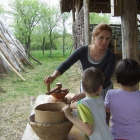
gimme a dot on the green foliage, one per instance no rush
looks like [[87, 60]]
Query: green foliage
[[1, 9], [27, 14], [96, 18]]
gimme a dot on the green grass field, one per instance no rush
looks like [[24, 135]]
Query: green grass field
[[15, 101], [34, 84]]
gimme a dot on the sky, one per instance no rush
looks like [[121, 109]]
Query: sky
[[51, 2]]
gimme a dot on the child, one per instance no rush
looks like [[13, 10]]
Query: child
[[91, 110], [124, 103]]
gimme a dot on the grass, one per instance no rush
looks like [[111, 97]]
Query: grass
[[15, 102], [34, 84]]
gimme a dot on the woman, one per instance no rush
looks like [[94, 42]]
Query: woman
[[97, 54]]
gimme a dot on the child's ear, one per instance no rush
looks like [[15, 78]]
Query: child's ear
[[100, 88]]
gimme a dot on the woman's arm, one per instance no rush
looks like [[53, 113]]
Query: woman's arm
[[73, 58], [85, 127], [109, 68], [49, 79], [78, 97]]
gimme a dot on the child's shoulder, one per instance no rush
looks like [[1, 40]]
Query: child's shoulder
[[114, 90]]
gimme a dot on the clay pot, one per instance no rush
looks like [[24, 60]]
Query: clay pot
[[59, 96], [50, 113]]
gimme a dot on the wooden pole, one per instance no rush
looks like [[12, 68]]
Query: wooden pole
[[21, 48], [3, 50], [73, 11], [11, 67], [86, 21], [129, 29], [12, 52]]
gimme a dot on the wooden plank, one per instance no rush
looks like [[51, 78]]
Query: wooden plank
[[116, 7], [74, 134]]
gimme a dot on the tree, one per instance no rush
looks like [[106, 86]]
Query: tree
[[65, 16], [96, 18], [27, 14], [49, 23]]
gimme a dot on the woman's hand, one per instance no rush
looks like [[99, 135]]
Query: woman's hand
[[48, 80], [78, 97]]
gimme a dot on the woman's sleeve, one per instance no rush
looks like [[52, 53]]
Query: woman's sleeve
[[109, 69], [73, 58]]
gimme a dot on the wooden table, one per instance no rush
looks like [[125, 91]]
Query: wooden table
[[74, 134]]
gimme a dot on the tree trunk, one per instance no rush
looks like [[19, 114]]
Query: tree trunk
[[43, 45], [51, 44]]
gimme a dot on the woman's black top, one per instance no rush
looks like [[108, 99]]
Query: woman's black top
[[106, 64]]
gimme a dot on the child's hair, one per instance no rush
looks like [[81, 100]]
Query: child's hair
[[128, 72], [92, 79]]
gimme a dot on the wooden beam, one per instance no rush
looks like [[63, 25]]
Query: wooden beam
[[129, 29], [13, 69], [86, 21], [73, 11], [116, 7]]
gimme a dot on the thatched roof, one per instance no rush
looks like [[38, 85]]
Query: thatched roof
[[12, 52], [97, 6]]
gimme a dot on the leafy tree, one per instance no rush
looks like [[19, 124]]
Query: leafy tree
[[49, 25], [27, 14], [65, 16], [96, 18]]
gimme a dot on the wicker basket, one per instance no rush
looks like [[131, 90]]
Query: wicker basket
[[50, 131]]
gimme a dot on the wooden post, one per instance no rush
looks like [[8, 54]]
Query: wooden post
[[116, 7], [18, 74], [86, 21], [73, 11], [129, 30], [77, 2]]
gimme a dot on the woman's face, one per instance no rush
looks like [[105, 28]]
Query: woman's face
[[102, 40]]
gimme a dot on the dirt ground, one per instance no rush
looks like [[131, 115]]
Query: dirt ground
[[14, 117]]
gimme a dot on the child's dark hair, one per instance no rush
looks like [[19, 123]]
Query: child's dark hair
[[92, 79], [128, 72]]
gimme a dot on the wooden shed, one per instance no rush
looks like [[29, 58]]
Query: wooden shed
[[128, 11]]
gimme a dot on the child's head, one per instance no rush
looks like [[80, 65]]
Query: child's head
[[128, 72], [92, 79]]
